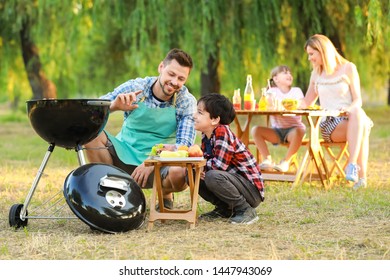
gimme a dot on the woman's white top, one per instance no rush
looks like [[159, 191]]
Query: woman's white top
[[334, 93]]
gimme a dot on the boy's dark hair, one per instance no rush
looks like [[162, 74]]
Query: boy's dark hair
[[218, 105], [183, 58]]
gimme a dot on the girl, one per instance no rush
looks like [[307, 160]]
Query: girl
[[231, 180], [284, 129]]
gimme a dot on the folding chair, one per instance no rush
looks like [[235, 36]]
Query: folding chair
[[338, 157]]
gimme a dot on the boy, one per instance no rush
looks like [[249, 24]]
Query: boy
[[231, 180]]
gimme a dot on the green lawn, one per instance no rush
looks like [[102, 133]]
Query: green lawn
[[303, 223]]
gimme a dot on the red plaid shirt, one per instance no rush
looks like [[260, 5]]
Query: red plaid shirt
[[231, 155]]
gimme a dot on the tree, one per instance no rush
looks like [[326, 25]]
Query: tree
[[40, 85], [89, 46], [21, 14]]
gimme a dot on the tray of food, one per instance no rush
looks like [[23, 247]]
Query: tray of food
[[169, 152], [183, 159]]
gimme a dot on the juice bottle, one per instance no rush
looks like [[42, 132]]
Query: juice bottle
[[249, 95], [237, 99], [263, 100], [248, 102]]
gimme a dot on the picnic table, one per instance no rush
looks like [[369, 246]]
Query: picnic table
[[314, 152]]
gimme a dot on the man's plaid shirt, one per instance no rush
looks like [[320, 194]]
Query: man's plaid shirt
[[185, 105]]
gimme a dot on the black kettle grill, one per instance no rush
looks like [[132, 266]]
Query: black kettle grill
[[71, 123]]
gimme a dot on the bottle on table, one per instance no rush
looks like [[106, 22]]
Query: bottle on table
[[263, 100], [249, 94], [237, 99]]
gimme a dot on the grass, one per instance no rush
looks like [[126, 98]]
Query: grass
[[303, 223]]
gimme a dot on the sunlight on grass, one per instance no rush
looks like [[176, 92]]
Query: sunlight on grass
[[305, 222]]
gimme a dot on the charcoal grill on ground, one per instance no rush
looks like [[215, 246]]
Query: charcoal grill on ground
[[103, 196]]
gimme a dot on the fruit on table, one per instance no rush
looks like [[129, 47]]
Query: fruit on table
[[195, 151], [290, 103], [182, 153], [170, 151], [158, 148]]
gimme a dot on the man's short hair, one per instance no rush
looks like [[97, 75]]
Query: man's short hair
[[183, 58]]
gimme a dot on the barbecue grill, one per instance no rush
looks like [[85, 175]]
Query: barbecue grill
[[102, 196]]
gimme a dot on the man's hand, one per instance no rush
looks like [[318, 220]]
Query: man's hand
[[202, 175], [125, 101], [141, 174]]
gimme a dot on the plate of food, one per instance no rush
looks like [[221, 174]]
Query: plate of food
[[169, 152], [183, 159]]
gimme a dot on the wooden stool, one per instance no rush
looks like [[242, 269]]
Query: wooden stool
[[338, 160], [192, 165], [294, 162]]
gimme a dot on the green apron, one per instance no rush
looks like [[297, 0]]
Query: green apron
[[143, 129]]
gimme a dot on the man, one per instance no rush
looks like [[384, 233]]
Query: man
[[156, 110]]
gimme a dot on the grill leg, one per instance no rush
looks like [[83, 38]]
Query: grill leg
[[80, 155], [36, 181]]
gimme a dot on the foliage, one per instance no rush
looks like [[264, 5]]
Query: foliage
[[88, 47], [304, 223]]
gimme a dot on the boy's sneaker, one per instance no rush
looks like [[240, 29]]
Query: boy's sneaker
[[245, 217], [266, 164], [351, 172], [362, 183], [217, 213], [283, 166]]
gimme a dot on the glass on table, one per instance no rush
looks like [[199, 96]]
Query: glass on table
[[271, 101]]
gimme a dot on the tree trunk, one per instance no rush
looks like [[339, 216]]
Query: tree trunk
[[40, 85], [337, 43], [209, 78]]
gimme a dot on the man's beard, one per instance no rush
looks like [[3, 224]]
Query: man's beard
[[162, 88]]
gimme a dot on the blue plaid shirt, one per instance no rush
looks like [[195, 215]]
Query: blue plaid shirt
[[185, 106]]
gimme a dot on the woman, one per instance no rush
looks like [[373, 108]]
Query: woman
[[336, 82]]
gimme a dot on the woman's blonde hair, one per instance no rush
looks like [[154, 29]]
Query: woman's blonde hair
[[330, 56], [276, 71]]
